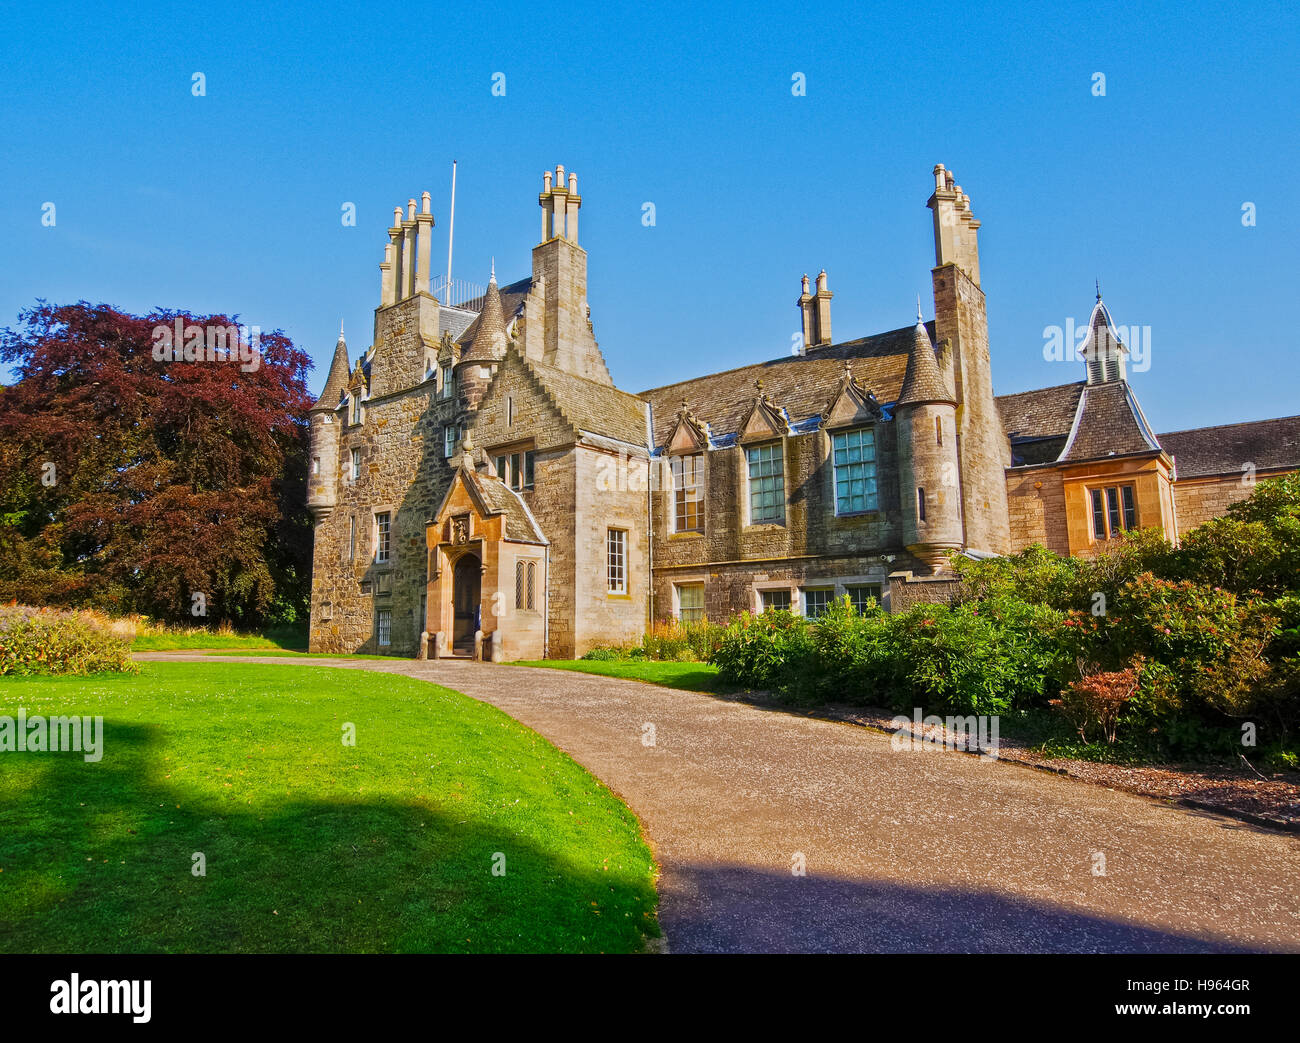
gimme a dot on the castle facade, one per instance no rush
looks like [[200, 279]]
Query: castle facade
[[481, 488]]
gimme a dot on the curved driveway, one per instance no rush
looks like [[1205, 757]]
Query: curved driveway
[[904, 851]]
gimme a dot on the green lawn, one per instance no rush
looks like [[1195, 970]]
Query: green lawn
[[198, 639], [693, 677], [286, 653], [311, 846]]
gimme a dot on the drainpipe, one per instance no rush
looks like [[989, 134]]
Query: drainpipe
[[546, 616], [649, 517]]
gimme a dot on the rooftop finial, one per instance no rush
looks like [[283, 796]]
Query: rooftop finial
[[340, 329], [1099, 290], [493, 277], [918, 309]]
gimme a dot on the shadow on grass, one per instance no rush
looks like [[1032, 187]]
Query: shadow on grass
[[98, 858]]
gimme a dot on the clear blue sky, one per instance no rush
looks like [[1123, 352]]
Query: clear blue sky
[[231, 202]]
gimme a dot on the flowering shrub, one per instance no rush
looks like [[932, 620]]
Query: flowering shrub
[[49, 641]]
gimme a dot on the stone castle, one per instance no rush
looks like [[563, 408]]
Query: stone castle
[[481, 488]]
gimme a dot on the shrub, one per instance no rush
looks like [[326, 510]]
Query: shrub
[[1098, 699], [605, 654], [855, 656], [767, 651], [1211, 641], [681, 642], [957, 660], [49, 641]]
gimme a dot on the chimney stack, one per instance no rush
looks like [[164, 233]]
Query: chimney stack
[[560, 206], [955, 227], [823, 310], [405, 269], [815, 313]]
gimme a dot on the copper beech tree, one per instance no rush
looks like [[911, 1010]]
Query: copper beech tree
[[140, 472]]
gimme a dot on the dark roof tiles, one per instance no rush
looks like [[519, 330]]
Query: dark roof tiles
[[802, 384], [1228, 448]]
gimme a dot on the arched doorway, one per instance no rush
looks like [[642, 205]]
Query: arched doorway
[[466, 585]]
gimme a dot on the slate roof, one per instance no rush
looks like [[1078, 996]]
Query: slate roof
[[599, 409], [923, 382], [801, 384], [1109, 422], [1041, 413], [1073, 422], [1225, 449], [512, 300], [499, 498], [336, 381]]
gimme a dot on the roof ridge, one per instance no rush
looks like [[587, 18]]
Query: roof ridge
[[1037, 391], [1235, 423], [819, 352]]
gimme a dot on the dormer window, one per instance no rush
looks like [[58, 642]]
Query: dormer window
[[688, 492], [853, 461], [357, 414], [766, 484]]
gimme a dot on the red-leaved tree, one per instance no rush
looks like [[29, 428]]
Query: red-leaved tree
[[132, 482]]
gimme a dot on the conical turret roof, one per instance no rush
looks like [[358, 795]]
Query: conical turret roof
[[337, 381], [923, 381], [490, 334]]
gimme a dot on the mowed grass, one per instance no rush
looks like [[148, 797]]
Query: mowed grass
[[691, 677], [196, 639], [310, 845]]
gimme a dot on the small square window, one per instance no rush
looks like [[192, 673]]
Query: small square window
[[690, 602], [863, 597], [816, 600], [778, 600]]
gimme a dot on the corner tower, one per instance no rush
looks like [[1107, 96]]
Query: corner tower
[[929, 471], [323, 437]]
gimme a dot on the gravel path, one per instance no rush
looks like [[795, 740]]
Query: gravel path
[[909, 851]]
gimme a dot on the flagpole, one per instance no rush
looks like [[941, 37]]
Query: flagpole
[[451, 231]]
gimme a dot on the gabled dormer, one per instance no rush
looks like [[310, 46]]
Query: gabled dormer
[[765, 419], [851, 405], [688, 434]]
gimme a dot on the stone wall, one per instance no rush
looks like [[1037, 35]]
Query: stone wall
[[402, 471], [960, 320], [610, 492], [813, 547], [1197, 500], [907, 590], [1036, 509]]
